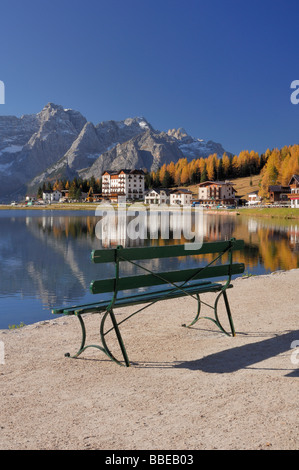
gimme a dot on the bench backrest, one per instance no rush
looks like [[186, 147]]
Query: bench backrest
[[133, 254]]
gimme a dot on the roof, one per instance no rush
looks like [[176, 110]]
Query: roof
[[253, 192], [124, 170], [219, 183], [294, 177], [278, 188], [181, 191], [158, 190]]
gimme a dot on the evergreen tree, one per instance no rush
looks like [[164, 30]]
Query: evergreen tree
[[166, 182], [204, 175], [40, 192], [220, 170]]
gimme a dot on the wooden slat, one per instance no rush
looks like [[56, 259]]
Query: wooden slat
[[198, 287], [134, 282], [103, 256], [151, 252]]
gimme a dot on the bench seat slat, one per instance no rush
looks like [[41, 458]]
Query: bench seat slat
[[152, 252], [198, 287], [132, 282]]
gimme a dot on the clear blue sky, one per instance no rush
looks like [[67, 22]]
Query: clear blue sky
[[221, 69]]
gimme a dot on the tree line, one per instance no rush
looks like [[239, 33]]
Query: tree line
[[275, 166], [206, 169], [280, 166], [75, 187]]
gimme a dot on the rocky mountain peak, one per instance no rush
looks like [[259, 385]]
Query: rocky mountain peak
[[59, 142], [179, 133]]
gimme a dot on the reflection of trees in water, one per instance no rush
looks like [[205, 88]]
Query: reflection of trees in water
[[49, 257], [270, 243], [65, 227]]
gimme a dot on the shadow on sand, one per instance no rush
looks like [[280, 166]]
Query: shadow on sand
[[243, 357]]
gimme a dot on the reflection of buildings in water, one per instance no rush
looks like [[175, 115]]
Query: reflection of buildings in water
[[144, 226], [252, 225], [53, 251], [294, 235], [218, 227], [275, 230], [183, 226]]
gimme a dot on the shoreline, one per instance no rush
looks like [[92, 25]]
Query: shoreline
[[187, 389], [268, 212], [55, 317]]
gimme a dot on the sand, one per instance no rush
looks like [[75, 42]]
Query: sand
[[187, 389]]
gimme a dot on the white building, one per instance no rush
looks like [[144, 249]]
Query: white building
[[128, 183], [52, 196], [254, 198], [216, 192], [157, 196], [294, 196], [180, 197]]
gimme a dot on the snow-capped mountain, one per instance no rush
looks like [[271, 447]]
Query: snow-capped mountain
[[61, 143], [195, 148]]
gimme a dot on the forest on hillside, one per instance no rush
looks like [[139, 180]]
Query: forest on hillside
[[280, 166], [275, 166]]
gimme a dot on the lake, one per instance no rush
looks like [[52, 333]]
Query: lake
[[45, 255]]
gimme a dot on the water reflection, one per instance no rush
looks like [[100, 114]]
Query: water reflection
[[45, 257]]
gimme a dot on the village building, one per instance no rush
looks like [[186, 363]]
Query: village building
[[294, 187], [51, 196], [181, 197], [157, 196], [216, 192], [254, 198], [278, 193], [128, 183]]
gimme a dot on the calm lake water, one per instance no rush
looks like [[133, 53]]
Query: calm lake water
[[45, 256]]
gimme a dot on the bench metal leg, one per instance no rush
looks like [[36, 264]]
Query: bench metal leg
[[228, 314], [104, 348], [119, 338], [216, 319], [197, 314], [230, 318], [81, 349]]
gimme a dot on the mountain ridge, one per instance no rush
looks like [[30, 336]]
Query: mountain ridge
[[61, 143]]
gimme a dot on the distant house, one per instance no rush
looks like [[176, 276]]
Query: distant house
[[216, 192], [181, 197], [51, 196], [30, 198], [254, 198], [294, 195], [157, 196], [278, 193]]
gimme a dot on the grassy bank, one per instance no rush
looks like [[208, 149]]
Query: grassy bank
[[52, 207], [279, 212]]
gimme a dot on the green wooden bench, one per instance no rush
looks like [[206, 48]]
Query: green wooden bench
[[168, 285]]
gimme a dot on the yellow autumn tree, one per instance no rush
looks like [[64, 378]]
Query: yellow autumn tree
[[185, 175], [171, 170], [211, 166], [162, 173], [226, 165]]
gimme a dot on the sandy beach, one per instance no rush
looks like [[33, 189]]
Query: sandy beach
[[187, 389]]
